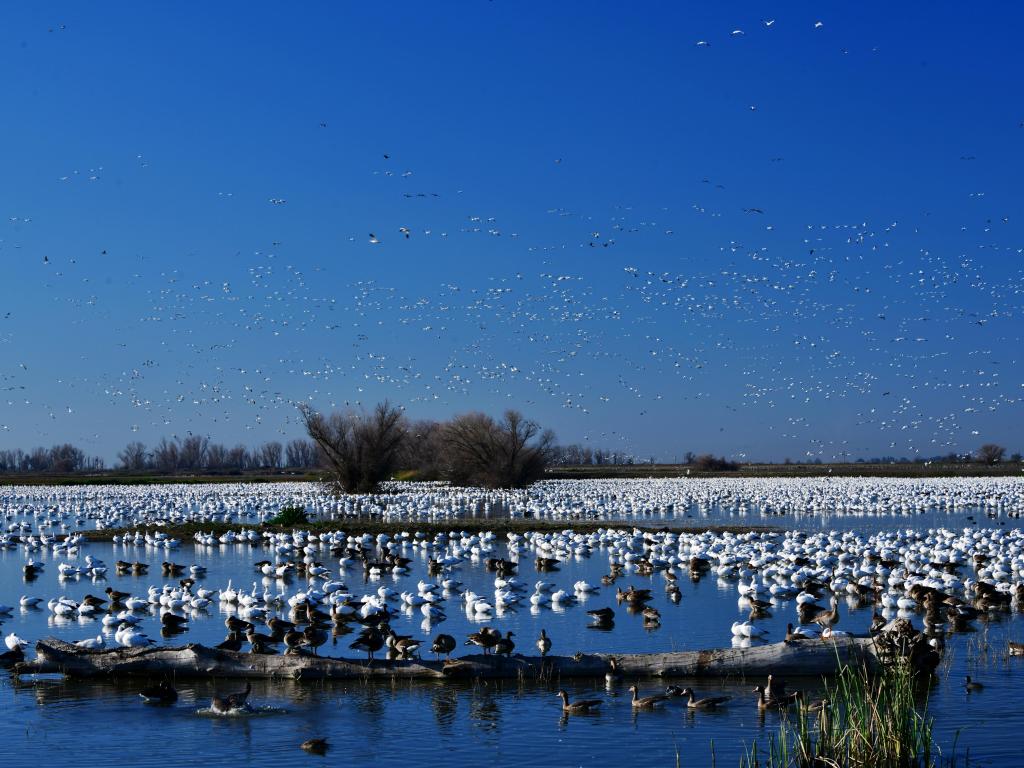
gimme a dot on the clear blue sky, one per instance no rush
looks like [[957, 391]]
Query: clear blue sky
[[806, 237]]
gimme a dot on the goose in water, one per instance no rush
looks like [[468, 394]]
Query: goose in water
[[235, 624], [543, 643], [827, 618], [443, 644], [12, 641], [173, 621], [161, 693], [578, 707], [232, 702], [613, 676], [782, 702], [646, 702], [709, 702], [972, 685]]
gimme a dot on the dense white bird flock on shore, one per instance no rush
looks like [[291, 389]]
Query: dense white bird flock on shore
[[26, 508]]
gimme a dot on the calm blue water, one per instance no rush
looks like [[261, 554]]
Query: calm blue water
[[433, 723]]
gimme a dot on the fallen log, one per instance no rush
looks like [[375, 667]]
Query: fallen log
[[812, 658]]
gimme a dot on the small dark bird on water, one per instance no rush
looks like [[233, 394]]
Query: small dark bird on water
[[315, 746], [161, 693]]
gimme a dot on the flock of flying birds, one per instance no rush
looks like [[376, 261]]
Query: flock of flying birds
[[907, 326]]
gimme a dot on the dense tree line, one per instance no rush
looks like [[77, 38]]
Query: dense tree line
[[576, 455], [60, 459], [195, 453]]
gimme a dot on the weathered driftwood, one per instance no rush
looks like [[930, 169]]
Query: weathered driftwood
[[807, 658]]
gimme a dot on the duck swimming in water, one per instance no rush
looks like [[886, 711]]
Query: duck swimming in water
[[232, 702], [161, 693]]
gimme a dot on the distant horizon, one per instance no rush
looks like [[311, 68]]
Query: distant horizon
[[683, 227]]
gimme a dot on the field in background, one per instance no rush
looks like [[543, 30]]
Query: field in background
[[591, 472]]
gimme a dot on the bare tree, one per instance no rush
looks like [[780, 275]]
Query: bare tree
[[990, 453], [165, 455], [66, 458], [192, 452], [424, 450], [133, 457], [238, 458], [300, 454], [269, 455], [361, 450], [511, 453], [216, 456]]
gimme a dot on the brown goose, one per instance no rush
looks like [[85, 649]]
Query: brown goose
[[232, 702], [260, 644], [406, 647], [543, 643], [173, 620], [709, 702], [443, 644], [604, 618], [613, 676], [578, 707], [233, 642], [505, 645], [646, 702], [293, 641], [828, 618], [784, 702], [371, 641], [235, 624], [313, 637], [485, 639]]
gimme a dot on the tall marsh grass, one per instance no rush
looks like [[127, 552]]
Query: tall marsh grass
[[872, 721]]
